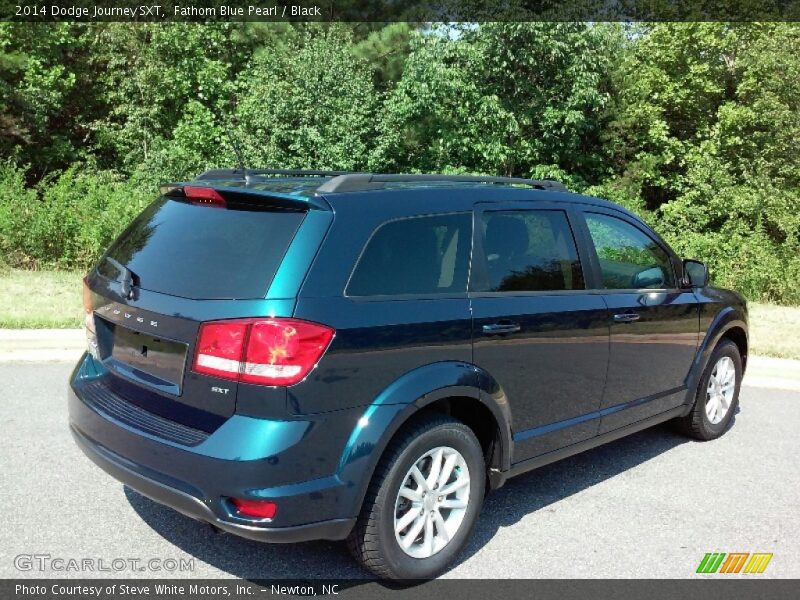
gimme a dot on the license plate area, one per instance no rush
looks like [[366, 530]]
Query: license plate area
[[149, 360]]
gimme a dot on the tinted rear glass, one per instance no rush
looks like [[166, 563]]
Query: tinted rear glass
[[417, 256], [203, 252], [530, 251]]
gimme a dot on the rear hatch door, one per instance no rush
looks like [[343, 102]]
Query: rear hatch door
[[180, 263]]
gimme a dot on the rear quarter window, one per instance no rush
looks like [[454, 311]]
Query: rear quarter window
[[203, 252], [415, 256]]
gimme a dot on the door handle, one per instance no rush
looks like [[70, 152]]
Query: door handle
[[501, 328], [626, 317]]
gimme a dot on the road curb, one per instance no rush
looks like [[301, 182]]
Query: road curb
[[776, 373], [66, 345], [34, 345]]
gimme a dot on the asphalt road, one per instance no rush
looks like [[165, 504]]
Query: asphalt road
[[649, 506]]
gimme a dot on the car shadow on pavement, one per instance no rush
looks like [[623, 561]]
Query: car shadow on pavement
[[520, 496], [538, 489], [244, 558]]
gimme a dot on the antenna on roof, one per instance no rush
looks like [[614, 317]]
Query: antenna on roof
[[237, 152]]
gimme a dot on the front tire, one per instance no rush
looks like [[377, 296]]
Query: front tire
[[717, 395], [422, 502]]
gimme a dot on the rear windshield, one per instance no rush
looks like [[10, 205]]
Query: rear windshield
[[202, 252]]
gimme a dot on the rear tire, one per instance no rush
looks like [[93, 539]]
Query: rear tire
[[414, 522], [717, 396]]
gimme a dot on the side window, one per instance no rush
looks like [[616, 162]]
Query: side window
[[629, 259], [530, 251], [418, 255]]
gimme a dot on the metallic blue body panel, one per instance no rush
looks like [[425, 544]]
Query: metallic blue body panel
[[570, 378]]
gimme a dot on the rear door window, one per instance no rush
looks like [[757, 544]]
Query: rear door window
[[529, 251], [415, 256], [203, 252]]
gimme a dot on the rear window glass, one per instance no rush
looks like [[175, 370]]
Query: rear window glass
[[418, 255], [202, 252]]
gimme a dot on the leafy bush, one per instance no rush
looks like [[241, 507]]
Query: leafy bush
[[693, 126], [65, 222]]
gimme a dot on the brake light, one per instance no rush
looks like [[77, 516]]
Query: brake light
[[260, 509], [88, 318], [274, 351], [88, 311], [204, 196]]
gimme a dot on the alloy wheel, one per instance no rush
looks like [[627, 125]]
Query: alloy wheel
[[431, 502], [720, 390]]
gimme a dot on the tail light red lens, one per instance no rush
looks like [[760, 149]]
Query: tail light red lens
[[88, 319], [87, 305], [219, 349], [274, 351], [204, 195], [260, 509]]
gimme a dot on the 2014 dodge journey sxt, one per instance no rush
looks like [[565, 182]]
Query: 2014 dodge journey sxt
[[296, 355]]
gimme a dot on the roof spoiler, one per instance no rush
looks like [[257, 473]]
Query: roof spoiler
[[242, 198]]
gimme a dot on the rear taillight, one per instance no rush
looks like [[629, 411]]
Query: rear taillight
[[204, 195], [274, 351], [88, 318], [219, 349]]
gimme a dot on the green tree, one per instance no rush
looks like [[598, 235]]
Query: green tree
[[157, 77], [702, 140], [48, 94], [508, 98], [312, 106]]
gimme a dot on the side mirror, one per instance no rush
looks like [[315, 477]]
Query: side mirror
[[695, 273]]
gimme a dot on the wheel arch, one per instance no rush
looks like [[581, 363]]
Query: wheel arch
[[727, 324], [451, 388]]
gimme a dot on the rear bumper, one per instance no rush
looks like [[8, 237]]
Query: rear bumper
[[191, 506], [292, 463]]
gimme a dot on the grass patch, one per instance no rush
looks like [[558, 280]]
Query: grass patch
[[40, 299], [54, 299], [774, 330]]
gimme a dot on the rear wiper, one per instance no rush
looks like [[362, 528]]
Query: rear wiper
[[128, 280]]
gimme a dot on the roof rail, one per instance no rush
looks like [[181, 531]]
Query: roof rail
[[358, 182], [253, 173]]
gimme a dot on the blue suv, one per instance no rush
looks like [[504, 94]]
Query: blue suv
[[298, 355]]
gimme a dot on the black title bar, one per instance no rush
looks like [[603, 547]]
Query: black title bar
[[400, 10]]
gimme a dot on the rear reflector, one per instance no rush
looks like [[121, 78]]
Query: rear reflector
[[260, 509], [204, 195], [274, 351]]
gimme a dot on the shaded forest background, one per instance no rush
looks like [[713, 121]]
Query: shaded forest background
[[694, 126]]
